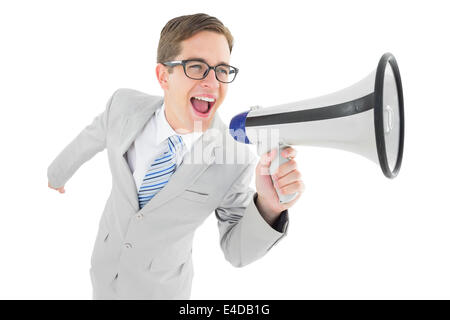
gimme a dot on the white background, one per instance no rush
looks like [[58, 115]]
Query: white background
[[353, 234]]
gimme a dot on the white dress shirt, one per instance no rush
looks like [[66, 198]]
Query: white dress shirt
[[151, 142]]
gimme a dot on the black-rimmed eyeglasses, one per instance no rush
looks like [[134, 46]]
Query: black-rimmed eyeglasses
[[198, 70]]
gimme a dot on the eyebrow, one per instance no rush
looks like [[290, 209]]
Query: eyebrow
[[203, 60]]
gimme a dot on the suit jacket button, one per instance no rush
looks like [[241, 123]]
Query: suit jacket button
[[139, 216], [128, 245]]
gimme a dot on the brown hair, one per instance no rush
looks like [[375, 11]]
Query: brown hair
[[184, 27]]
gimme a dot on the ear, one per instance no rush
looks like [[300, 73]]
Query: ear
[[162, 74]]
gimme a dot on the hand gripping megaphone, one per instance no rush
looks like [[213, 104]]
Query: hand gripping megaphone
[[366, 118]]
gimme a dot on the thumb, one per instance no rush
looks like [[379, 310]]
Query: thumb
[[267, 158], [265, 161]]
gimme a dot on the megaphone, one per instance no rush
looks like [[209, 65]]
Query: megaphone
[[366, 118]]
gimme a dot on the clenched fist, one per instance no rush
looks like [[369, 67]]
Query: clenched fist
[[60, 189]]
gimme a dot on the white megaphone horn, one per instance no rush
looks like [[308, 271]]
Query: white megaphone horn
[[366, 118]]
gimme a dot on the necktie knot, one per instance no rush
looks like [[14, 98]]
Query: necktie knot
[[159, 172], [176, 143]]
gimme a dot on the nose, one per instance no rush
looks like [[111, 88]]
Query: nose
[[210, 81]]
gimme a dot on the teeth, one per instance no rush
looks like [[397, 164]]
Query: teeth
[[205, 99]]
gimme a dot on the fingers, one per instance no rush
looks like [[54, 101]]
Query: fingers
[[289, 153], [296, 186], [264, 162], [290, 183], [267, 158], [289, 178], [284, 169]]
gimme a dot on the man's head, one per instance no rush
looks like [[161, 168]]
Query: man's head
[[197, 36]]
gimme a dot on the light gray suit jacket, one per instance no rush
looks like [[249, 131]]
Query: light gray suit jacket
[[147, 253]]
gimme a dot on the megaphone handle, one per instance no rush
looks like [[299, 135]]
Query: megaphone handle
[[276, 163]]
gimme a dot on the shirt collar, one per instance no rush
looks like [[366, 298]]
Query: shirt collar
[[164, 130]]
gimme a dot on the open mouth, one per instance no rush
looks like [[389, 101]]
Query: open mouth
[[202, 106]]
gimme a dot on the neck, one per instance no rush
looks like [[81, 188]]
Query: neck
[[173, 121]]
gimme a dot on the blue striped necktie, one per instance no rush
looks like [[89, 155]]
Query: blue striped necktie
[[159, 172]]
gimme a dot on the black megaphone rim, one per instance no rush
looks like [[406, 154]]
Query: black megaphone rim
[[378, 115]]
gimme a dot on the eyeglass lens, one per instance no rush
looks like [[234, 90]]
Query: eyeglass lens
[[197, 70]]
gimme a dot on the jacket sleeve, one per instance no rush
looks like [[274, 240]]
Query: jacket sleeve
[[89, 142], [244, 234]]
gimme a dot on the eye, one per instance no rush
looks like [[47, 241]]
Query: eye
[[224, 70], [195, 66]]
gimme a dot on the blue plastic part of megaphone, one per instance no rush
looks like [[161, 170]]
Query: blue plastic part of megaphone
[[237, 127]]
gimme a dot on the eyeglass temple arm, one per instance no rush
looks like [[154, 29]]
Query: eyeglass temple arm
[[172, 63]]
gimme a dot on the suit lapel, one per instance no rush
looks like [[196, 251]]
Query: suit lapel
[[132, 125], [194, 162]]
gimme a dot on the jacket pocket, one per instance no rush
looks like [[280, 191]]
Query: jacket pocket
[[169, 260], [193, 195], [102, 242]]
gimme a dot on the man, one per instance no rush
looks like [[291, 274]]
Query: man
[[161, 192]]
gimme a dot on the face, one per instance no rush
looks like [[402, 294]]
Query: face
[[179, 90]]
